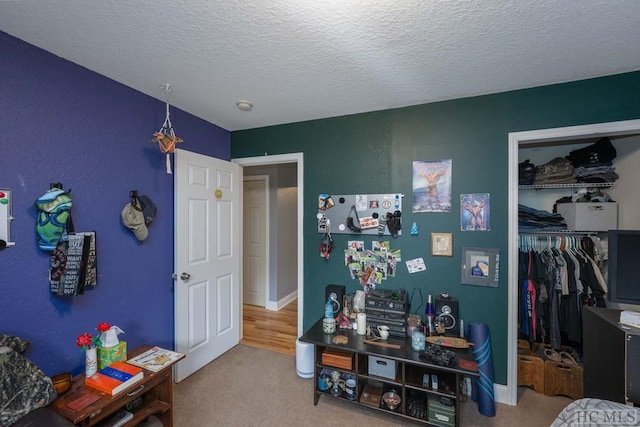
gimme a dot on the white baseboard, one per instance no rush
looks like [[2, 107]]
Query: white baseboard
[[277, 305], [501, 394]]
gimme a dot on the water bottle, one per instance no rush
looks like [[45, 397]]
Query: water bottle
[[328, 309]]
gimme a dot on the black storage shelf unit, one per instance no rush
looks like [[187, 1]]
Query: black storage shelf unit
[[410, 370]]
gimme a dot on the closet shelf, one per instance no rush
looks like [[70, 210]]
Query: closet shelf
[[573, 185]]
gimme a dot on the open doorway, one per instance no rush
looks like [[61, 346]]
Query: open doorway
[[285, 283], [517, 140]]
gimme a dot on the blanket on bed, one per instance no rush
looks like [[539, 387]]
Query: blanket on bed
[[590, 412]]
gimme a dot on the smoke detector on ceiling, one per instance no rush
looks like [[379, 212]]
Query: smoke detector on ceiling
[[244, 105]]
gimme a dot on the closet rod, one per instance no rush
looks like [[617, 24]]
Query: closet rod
[[545, 234]]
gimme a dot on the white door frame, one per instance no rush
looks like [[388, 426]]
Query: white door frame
[[267, 236], [283, 159], [516, 139]]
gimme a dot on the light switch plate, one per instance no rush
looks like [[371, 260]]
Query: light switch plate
[[5, 218]]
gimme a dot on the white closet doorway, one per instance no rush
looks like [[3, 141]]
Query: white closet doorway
[[516, 141]]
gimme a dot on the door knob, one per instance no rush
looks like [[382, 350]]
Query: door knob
[[185, 276]]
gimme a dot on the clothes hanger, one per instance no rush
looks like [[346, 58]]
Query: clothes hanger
[[550, 242]]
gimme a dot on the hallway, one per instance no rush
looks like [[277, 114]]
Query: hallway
[[271, 330]]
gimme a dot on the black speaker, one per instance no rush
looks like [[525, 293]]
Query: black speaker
[[447, 310], [335, 294]]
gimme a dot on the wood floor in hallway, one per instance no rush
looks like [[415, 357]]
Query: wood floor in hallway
[[271, 330]]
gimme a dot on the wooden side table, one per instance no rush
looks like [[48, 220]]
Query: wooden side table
[[155, 391]]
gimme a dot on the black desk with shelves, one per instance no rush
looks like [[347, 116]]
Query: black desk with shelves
[[420, 401]]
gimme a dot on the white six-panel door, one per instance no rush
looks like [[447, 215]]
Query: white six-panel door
[[207, 259], [255, 257]]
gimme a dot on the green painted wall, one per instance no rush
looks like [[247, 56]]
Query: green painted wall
[[373, 153]]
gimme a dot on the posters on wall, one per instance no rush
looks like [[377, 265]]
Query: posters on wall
[[432, 186], [475, 212], [431, 192]]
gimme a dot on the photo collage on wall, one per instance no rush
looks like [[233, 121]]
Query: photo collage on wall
[[371, 266]]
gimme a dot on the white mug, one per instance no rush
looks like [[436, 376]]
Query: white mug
[[384, 331]]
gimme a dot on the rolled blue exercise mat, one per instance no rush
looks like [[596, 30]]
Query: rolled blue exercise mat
[[479, 335]]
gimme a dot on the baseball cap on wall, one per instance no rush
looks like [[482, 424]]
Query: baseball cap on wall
[[133, 218], [148, 209]]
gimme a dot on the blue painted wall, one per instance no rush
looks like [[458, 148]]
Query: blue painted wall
[[63, 123]]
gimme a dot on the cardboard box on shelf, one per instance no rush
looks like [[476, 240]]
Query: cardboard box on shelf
[[337, 359], [585, 216], [371, 394]]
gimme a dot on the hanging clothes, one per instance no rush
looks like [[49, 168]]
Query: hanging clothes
[[557, 276]]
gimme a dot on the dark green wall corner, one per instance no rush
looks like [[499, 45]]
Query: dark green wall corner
[[373, 153]]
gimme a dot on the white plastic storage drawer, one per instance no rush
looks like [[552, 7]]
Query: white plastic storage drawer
[[585, 216], [382, 367]]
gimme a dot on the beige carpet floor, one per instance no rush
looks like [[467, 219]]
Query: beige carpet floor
[[249, 386]]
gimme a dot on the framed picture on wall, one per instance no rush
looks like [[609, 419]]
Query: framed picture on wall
[[441, 244], [480, 266]]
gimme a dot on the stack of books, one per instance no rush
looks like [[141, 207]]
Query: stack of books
[[114, 378]]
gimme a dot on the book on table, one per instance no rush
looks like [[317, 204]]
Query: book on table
[[115, 378], [155, 359]]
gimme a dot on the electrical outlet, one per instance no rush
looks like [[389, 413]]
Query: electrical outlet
[[466, 387]]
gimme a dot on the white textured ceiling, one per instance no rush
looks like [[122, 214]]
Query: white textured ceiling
[[306, 59]]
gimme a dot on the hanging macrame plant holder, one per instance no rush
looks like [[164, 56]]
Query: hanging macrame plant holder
[[167, 139]]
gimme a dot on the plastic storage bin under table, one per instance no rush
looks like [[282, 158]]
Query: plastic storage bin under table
[[382, 367]]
